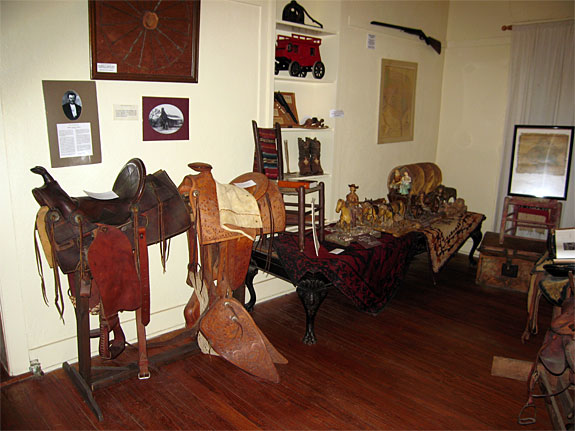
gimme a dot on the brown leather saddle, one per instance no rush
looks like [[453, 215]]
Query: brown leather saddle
[[102, 245], [222, 321], [557, 355]]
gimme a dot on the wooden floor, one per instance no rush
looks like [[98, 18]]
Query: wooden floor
[[423, 363]]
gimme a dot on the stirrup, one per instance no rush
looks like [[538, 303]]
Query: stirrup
[[530, 420]]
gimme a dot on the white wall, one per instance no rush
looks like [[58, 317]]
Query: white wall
[[49, 40], [474, 98], [359, 159]]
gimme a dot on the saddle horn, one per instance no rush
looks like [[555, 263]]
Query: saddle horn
[[50, 194], [40, 170]]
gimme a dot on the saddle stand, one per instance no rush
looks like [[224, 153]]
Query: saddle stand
[[102, 246]]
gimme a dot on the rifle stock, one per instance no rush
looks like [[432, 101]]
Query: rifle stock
[[434, 43]]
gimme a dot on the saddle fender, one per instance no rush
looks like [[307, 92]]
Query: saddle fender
[[233, 334]]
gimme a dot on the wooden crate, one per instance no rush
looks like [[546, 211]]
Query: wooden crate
[[508, 264]]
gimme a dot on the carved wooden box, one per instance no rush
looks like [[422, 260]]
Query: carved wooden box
[[507, 265]]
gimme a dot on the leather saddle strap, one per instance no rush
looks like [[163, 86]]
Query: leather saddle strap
[[164, 244], [142, 313], [57, 285], [143, 270], [194, 232], [39, 265], [85, 276]]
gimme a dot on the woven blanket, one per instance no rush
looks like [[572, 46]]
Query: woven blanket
[[446, 235], [368, 277]]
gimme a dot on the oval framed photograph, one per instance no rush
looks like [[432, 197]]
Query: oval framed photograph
[[72, 105], [166, 119]]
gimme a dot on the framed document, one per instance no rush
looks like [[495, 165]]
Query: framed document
[[145, 40], [72, 122], [541, 161], [396, 101]]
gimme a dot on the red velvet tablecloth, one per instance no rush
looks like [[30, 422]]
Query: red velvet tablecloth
[[369, 277]]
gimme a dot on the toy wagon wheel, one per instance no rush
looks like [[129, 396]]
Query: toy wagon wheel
[[303, 73], [318, 70], [294, 68]]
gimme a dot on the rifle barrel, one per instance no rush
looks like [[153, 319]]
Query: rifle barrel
[[434, 43], [398, 27]]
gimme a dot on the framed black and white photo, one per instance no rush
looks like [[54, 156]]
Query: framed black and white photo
[[72, 122], [165, 118], [540, 161]]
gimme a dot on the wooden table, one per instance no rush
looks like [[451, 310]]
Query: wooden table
[[368, 277]]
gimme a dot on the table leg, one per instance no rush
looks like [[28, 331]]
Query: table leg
[[476, 236], [311, 292], [252, 272]]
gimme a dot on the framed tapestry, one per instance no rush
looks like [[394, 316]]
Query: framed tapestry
[[145, 40], [541, 161], [396, 101]]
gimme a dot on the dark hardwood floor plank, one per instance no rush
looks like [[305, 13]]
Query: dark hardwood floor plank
[[423, 363], [17, 411]]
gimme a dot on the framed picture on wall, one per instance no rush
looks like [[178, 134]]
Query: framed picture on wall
[[165, 118], [396, 101], [73, 122], [541, 161], [145, 40]]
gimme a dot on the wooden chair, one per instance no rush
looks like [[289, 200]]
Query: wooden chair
[[545, 214], [268, 159]]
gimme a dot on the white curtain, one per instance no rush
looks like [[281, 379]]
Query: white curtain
[[541, 93]]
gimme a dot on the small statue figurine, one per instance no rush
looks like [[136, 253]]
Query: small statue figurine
[[405, 184], [352, 197], [396, 181], [352, 201]]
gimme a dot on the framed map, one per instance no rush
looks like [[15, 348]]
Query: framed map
[[396, 101], [541, 161], [145, 40]]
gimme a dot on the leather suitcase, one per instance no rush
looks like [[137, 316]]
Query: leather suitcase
[[507, 265]]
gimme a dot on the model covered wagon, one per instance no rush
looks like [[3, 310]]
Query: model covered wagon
[[299, 54]]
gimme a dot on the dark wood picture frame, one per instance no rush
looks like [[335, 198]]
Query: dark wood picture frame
[[541, 161], [145, 40]]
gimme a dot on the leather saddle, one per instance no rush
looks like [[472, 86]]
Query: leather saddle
[[205, 203], [557, 355], [558, 352], [105, 242], [222, 321]]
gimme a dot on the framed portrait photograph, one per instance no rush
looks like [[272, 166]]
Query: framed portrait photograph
[[72, 122], [396, 101], [165, 118], [541, 161], [145, 40]]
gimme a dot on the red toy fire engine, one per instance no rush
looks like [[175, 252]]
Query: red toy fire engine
[[299, 54]]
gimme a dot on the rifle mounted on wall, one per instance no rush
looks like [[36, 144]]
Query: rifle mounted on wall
[[434, 43]]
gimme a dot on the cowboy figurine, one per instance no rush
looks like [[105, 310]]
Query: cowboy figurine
[[352, 201]]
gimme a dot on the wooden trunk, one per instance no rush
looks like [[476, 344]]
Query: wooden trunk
[[508, 264]]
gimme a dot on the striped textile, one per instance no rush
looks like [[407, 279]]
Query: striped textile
[[267, 143]]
